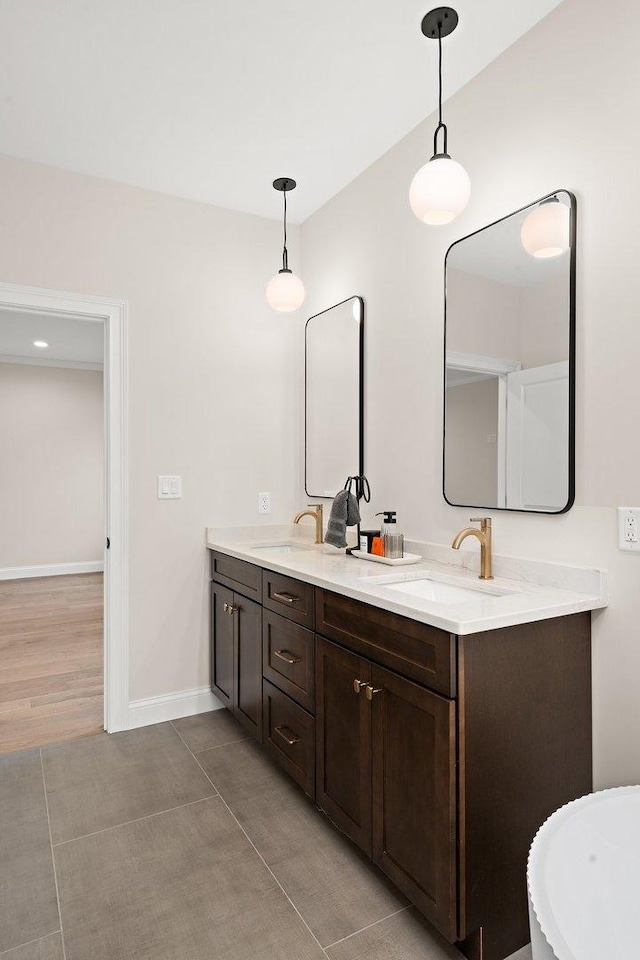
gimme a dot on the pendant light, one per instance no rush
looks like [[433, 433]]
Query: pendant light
[[441, 189], [545, 232], [285, 291]]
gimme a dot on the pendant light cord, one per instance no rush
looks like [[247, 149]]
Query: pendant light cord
[[285, 255], [441, 125], [439, 74]]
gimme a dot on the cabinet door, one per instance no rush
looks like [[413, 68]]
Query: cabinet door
[[343, 741], [222, 630], [247, 618], [414, 793]]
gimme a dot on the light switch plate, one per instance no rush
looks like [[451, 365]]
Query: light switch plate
[[169, 488], [629, 528]]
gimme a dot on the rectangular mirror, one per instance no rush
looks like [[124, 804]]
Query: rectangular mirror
[[510, 361], [334, 448]]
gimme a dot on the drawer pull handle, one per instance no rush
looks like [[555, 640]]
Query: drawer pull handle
[[286, 656], [285, 597], [358, 685], [370, 691], [287, 735]]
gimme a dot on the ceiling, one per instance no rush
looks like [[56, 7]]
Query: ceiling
[[212, 100], [70, 339]]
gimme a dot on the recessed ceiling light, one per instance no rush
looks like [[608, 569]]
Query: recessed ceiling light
[[40, 343]]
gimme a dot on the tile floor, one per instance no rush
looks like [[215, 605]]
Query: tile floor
[[182, 841]]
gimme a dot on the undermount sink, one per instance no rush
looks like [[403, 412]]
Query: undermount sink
[[440, 592], [427, 586], [283, 547]]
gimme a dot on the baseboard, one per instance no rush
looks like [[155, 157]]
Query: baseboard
[[171, 706], [51, 570]]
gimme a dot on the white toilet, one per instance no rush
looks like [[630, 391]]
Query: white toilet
[[583, 878]]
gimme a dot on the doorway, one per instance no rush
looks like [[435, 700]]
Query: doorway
[[64, 596]]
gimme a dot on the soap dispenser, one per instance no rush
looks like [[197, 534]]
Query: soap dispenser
[[392, 539]]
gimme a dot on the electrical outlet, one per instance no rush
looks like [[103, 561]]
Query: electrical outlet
[[629, 528], [264, 503]]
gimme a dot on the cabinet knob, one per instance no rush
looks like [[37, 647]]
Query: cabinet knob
[[230, 609], [370, 691], [358, 685]]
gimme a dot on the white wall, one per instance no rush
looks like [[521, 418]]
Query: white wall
[[526, 324], [52, 479], [213, 393], [483, 316], [472, 461], [544, 312], [532, 122]]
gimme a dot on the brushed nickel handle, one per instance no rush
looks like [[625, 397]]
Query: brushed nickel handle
[[231, 609], [225, 607], [285, 597], [287, 656], [370, 691], [289, 736], [358, 685]]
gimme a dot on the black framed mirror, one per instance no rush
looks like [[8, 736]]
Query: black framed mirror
[[509, 364], [334, 397]]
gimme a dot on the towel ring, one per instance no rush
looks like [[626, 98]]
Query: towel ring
[[363, 492], [362, 488]]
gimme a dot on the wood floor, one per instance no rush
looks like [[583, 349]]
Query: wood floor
[[51, 660]]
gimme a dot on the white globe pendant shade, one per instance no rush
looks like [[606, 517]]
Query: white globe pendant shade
[[285, 292], [439, 191], [545, 232]]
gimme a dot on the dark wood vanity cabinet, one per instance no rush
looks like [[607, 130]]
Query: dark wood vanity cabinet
[[288, 668], [236, 642], [468, 744], [289, 736], [262, 661], [439, 755], [343, 738], [386, 774], [222, 645], [413, 754]]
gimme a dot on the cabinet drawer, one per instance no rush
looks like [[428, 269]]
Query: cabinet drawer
[[290, 598], [243, 577], [414, 650], [289, 736], [288, 658]]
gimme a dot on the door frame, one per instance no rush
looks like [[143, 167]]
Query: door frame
[[113, 313]]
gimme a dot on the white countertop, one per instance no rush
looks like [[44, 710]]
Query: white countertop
[[501, 602]]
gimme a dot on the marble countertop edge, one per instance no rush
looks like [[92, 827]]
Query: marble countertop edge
[[323, 566]]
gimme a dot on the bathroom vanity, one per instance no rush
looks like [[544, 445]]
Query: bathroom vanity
[[438, 745]]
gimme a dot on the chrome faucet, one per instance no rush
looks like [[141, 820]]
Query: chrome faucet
[[484, 536], [316, 513]]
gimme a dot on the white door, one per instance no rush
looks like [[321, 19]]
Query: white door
[[538, 438]]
